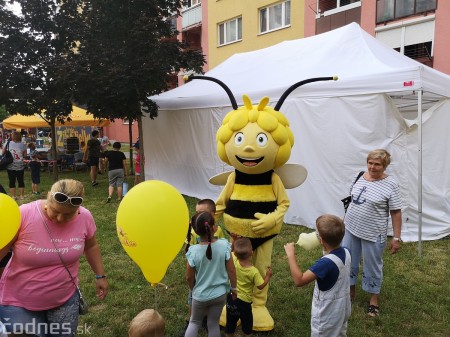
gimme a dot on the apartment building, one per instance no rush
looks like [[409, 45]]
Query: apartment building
[[236, 26], [418, 29], [221, 28]]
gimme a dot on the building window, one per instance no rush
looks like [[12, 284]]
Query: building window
[[230, 31], [275, 17], [192, 3], [421, 52], [327, 5], [394, 9]]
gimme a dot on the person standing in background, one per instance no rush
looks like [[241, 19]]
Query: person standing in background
[[137, 163], [92, 156], [104, 143], [117, 170], [35, 167], [17, 167]]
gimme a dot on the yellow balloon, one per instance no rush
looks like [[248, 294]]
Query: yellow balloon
[[10, 215], [152, 222]]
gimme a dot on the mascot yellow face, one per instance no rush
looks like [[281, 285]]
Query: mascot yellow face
[[254, 138]]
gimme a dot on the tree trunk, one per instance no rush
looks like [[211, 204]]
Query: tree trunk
[[53, 149]]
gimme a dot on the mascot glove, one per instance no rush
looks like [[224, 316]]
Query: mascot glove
[[264, 223]]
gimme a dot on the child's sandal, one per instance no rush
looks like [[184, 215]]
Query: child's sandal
[[373, 310]]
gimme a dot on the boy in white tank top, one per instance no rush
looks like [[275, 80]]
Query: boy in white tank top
[[331, 307]]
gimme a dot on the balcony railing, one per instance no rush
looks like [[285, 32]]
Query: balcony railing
[[191, 16]]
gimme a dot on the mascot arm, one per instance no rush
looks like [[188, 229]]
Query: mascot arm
[[224, 196], [268, 224]]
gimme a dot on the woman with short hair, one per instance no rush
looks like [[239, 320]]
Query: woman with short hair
[[375, 197]]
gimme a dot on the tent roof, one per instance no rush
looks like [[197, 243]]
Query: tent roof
[[363, 64], [79, 118]]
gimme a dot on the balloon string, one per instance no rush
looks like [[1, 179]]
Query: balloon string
[[165, 286], [160, 284], [155, 293]]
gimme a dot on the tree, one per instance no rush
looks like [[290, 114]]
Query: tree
[[35, 44], [127, 53], [109, 55], [3, 113]]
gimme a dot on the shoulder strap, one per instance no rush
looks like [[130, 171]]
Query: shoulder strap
[[337, 261], [57, 249], [359, 176]]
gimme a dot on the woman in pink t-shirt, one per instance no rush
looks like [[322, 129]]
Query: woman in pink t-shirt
[[36, 291]]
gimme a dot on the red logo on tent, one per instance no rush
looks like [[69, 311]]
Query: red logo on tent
[[408, 83]]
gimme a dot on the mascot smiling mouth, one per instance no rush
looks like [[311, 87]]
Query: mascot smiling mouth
[[249, 161]]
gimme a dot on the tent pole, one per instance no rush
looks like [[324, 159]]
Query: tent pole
[[419, 200]]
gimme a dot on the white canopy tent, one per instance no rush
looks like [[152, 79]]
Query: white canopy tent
[[376, 103]]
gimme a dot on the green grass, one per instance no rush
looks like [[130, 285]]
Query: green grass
[[415, 299]]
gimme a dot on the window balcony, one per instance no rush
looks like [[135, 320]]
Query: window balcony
[[191, 16], [330, 7]]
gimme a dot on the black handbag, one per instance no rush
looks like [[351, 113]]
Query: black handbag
[[6, 159], [83, 305], [347, 200]]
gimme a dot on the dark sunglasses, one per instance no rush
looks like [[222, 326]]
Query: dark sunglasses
[[62, 198]]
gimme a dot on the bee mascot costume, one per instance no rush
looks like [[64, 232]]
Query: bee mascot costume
[[256, 140]]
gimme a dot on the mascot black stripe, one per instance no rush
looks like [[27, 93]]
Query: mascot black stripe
[[251, 183]]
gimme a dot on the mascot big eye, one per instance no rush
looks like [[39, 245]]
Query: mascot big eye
[[257, 141]]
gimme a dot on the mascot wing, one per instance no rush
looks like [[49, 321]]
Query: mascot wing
[[220, 179], [292, 175]]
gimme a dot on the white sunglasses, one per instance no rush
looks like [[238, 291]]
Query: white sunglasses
[[62, 198]]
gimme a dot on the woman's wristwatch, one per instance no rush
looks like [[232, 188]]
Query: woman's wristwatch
[[397, 239]]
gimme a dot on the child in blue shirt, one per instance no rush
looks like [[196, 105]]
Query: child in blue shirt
[[209, 273], [331, 307], [203, 205]]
